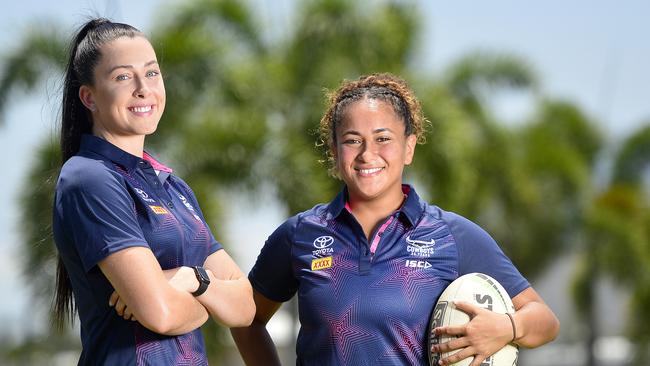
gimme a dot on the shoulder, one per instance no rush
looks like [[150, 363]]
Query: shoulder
[[458, 222], [81, 173], [317, 215], [463, 230]]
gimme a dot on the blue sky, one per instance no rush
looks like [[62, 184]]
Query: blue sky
[[594, 53]]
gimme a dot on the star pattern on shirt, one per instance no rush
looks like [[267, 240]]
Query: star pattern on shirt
[[187, 355], [408, 347], [343, 270], [345, 331]]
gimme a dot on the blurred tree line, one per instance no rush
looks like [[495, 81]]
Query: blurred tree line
[[243, 108]]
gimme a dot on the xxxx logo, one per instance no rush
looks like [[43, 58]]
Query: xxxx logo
[[321, 263], [158, 210]]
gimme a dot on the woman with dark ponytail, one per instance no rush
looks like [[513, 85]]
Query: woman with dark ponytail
[[134, 249]]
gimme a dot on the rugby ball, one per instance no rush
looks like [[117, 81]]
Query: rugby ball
[[479, 289]]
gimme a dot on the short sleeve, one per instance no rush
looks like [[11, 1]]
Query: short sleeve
[[479, 252], [97, 212], [272, 275]]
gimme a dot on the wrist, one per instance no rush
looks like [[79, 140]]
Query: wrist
[[513, 325], [203, 280]]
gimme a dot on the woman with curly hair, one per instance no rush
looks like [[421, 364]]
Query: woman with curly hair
[[369, 265]]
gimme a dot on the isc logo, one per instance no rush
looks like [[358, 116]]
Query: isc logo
[[412, 263]]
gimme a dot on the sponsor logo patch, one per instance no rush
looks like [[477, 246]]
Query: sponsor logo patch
[[321, 263], [410, 263], [324, 246], [144, 195], [159, 210], [420, 248], [189, 207], [323, 241]]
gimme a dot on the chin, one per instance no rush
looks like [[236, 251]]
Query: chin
[[366, 194], [150, 129]]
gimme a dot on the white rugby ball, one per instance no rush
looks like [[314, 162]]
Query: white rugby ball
[[479, 289]]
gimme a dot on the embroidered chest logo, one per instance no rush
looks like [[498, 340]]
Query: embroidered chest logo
[[189, 207], [420, 248], [144, 195], [323, 245]]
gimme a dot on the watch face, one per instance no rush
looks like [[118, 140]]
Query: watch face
[[202, 274]]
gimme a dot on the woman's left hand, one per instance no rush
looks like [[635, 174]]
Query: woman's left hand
[[485, 334], [120, 307]]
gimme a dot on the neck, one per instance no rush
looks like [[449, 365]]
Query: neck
[[134, 145], [369, 213]]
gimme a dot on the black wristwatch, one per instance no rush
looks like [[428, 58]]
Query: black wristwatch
[[204, 280]]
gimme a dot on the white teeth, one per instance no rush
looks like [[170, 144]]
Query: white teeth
[[369, 171], [141, 109]]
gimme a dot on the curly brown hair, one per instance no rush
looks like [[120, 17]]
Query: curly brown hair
[[386, 87]]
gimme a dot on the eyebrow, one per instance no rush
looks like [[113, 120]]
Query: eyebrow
[[130, 66], [379, 130]]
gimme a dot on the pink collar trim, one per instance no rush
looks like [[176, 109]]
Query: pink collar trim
[[155, 163]]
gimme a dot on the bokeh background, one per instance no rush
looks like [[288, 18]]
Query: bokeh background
[[540, 133]]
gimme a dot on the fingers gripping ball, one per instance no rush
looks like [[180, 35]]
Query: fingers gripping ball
[[483, 291]]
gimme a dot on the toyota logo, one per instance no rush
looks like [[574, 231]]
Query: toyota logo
[[323, 242]]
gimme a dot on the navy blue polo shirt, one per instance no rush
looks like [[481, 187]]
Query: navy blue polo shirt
[[366, 302], [107, 200]]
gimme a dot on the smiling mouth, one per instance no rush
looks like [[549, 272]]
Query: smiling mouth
[[143, 109], [369, 171]]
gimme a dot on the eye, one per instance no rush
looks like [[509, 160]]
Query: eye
[[152, 73], [122, 77], [383, 139], [351, 141]]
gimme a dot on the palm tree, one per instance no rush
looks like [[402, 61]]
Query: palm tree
[[617, 241]]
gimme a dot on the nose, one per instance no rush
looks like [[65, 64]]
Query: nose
[[141, 88], [367, 151]]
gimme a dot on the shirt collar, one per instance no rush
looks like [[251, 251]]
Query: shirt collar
[[156, 164], [411, 209], [113, 153]]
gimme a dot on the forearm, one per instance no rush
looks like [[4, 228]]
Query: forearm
[[535, 325], [145, 290], [184, 315], [229, 302], [178, 312], [255, 345]]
